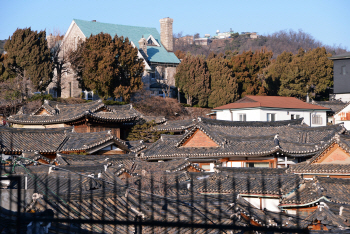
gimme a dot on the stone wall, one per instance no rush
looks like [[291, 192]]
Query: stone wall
[[166, 33]]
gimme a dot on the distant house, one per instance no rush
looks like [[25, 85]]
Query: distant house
[[272, 108], [202, 41], [155, 49], [341, 73]]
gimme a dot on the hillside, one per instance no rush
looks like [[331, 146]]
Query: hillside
[[290, 41]]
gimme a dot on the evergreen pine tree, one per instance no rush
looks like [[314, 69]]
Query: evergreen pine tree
[[28, 57]]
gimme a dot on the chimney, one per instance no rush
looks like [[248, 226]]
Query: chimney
[[143, 46], [166, 33], [50, 41]]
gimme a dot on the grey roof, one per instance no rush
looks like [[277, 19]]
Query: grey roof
[[244, 183], [64, 113], [75, 159], [54, 140], [341, 56], [245, 139], [315, 168], [331, 220], [331, 189], [31, 140], [176, 125], [335, 105]]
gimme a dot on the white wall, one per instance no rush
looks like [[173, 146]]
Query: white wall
[[341, 117], [345, 97], [268, 203], [260, 114]]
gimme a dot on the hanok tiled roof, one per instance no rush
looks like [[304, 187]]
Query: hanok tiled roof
[[270, 102], [176, 125], [54, 140], [311, 192], [89, 141], [335, 105], [264, 217], [245, 139], [242, 183], [332, 221], [65, 113], [154, 53], [252, 170], [88, 160], [136, 146], [31, 140], [311, 167], [140, 167]]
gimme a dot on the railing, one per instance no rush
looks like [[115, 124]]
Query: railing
[[67, 200]]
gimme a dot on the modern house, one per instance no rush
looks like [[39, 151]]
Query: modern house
[[155, 49], [341, 73], [272, 108]]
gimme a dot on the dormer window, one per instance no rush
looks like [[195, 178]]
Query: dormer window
[[150, 42]]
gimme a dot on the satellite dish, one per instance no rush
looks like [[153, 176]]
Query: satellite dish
[[217, 31]]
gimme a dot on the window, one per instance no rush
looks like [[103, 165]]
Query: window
[[343, 70], [206, 166], [294, 116], [271, 117], [297, 116], [88, 95], [316, 119], [257, 164], [150, 42], [242, 117], [152, 72]]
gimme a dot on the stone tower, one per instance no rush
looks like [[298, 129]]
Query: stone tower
[[166, 33]]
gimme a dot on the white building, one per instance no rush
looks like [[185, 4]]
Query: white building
[[272, 108], [343, 116]]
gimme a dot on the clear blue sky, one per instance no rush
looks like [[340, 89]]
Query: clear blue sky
[[327, 21]]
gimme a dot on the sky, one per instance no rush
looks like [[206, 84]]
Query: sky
[[327, 21]]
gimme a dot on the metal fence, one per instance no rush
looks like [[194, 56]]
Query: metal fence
[[52, 199]]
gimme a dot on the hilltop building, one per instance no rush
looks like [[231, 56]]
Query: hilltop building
[[155, 49]]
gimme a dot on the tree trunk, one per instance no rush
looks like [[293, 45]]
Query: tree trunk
[[189, 100]]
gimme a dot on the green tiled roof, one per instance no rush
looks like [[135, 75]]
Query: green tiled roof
[[134, 33]]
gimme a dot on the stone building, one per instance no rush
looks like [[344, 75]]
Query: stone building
[[155, 49]]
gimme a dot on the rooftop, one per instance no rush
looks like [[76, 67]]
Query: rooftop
[[270, 102], [156, 54]]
